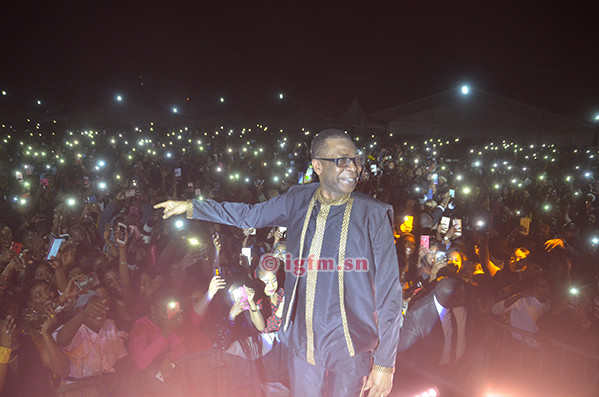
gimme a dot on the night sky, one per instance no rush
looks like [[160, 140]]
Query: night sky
[[322, 56]]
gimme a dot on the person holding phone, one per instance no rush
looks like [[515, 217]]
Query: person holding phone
[[336, 346], [92, 342], [155, 342]]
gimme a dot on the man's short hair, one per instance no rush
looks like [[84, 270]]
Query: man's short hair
[[319, 142]]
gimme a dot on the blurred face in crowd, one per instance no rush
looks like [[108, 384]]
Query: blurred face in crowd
[[100, 262], [431, 254], [279, 251], [270, 281], [78, 234], [540, 289], [104, 294], [113, 280], [408, 245], [5, 237], [43, 273], [40, 294], [516, 257], [337, 181], [455, 258], [144, 284]]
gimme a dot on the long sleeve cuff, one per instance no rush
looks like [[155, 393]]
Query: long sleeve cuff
[[385, 370], [189, 211]]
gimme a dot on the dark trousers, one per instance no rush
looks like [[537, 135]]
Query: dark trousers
[[311, 381]]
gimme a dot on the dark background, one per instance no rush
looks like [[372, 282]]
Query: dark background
[[321, 55]]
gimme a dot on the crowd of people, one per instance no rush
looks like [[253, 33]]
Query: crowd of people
[[100, 295]]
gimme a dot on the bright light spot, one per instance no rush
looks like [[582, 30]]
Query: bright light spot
[[222, 99], [596, 116], [465, 89], [179, 224], [218, 169], [3, 92], [101, 163], [168, 155], [281, 96], [71, 202], [175, 110], [193, 241], [466, 190], [39, 102], [102, 185], [595, 240], [458, 177], [119, 98]]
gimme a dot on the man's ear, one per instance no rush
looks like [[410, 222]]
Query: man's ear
[[317, 166]]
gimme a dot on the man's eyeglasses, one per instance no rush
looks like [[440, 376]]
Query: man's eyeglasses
[[343, 162]]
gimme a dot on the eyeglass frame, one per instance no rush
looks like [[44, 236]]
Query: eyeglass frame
[[351, 160]]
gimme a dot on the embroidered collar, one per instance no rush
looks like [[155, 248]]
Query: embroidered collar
[[338, 201]]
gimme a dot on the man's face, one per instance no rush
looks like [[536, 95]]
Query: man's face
[[337, 181]]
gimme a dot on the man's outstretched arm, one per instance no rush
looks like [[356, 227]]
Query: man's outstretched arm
[[269, 213]]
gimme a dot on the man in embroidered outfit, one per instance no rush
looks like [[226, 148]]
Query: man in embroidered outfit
[[343, 302]]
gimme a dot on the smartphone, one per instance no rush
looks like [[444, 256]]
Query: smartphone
[[177, 172], [374, 169], [172, 308], [15, 248], [198, 192], [19, 175], [54, 247], [435, 178], [457, 226], [253, 232], [247, 252], [444, 225], [240, 294], [409, 222], [425, 241], [282, 229], [159, 375], [129, 192], [452, 193], [90, 281], [525, 222], [91, 199], [217, 271], [122, 228]]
